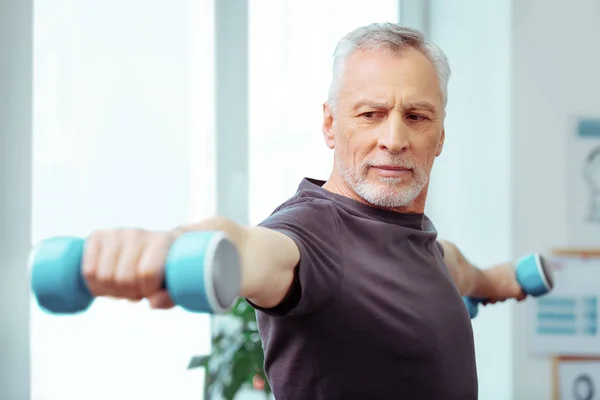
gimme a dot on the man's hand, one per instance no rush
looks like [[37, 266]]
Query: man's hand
[[498, 283], [129, 263]]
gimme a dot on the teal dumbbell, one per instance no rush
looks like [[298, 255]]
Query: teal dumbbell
[[202, 274], [534, 276]]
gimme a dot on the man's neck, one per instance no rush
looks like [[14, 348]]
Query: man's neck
[[338, 186]]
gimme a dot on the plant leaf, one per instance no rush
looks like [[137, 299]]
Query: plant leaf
[[236, 356], [240, 372], [199, 361]]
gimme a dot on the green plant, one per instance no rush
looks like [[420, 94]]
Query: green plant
[[237, 357]]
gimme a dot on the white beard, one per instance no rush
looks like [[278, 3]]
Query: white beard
[[385, 193]]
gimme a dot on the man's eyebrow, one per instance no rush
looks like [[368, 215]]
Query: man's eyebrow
[[370, 104], [413, 105], [421, 105]]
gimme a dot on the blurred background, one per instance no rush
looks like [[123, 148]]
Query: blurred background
[[152, 113]]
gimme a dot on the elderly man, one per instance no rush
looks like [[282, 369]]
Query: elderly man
[[356, 298]]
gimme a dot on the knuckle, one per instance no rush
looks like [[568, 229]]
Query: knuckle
[[149, 282], [89, 272], [148, 273], [124, 281], [104, 279]]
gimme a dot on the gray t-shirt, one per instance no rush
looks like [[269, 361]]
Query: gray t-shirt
[[373, 312]]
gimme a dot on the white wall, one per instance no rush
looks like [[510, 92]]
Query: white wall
[[470, 198], [16, 18], [555, 62]]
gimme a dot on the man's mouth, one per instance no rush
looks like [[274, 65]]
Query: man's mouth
[[392, 171]]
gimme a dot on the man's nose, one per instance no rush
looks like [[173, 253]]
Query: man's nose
[[395, 136]]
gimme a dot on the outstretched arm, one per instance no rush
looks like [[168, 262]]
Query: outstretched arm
[[128, 263], [287, 265], [497, 283], [268, 259]]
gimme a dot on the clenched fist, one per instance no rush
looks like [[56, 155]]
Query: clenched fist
[[500, 284], [129, 263]]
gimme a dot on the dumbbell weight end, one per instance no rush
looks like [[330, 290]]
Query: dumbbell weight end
[[56, 279]]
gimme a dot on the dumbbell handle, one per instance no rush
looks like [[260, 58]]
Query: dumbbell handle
[[202, 273], [534, 276]]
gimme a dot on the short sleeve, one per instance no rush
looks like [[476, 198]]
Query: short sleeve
[[440, 248], [313, 225]]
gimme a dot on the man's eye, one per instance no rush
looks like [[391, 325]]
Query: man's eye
[[371, 114], [417, 117]]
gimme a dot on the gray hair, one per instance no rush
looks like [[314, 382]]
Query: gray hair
[[393, 38]]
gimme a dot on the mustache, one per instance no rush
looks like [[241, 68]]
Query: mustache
[[395, 162]]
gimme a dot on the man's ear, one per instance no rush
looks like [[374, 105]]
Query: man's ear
[[328, 125], [440, 145]]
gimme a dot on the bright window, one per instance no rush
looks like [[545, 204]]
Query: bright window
[[291, 47], [123, 134]]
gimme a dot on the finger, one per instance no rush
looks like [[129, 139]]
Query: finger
[[150, 270], [161, 301], [90, 261], [107, 264], [126, 285]]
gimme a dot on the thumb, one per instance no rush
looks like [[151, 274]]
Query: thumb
[[161, 300]]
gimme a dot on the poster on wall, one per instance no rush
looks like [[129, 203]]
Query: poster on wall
[[583, 183], [567, 320]]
